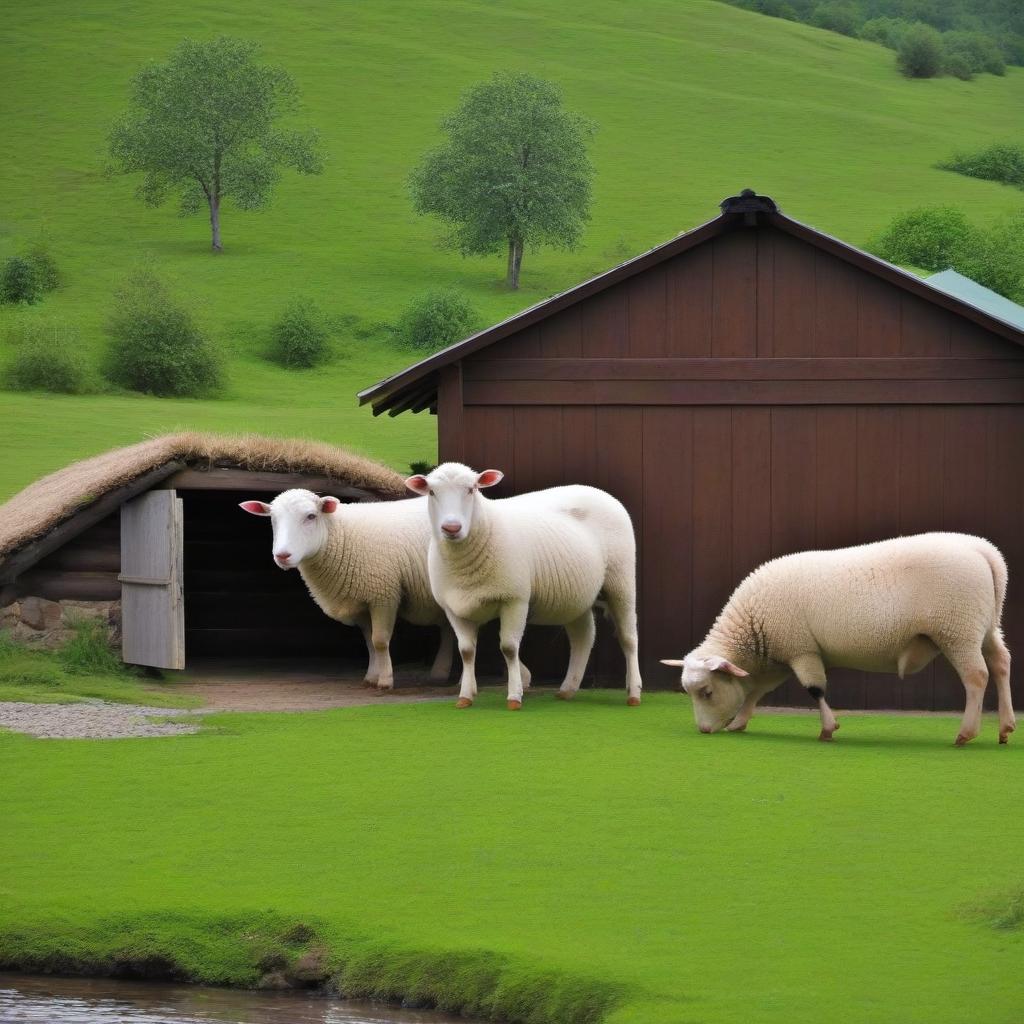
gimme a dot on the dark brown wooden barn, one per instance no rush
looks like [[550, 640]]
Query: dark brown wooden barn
[[751, 388]]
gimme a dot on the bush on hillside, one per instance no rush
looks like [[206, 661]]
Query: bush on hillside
[[929, 237], [958, 66], [300, 339], [45, 266], [19, 282], [46, 359], [155, 346], [887, 31], [920, 53], [1003, 162], [977, 51], [437, 319], [836, 17], [995, 258]]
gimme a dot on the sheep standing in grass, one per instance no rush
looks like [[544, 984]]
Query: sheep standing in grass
[[546, 557], [365, 565], [892, 606]]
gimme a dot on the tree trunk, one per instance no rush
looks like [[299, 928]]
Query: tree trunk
[[215, 223], [515, 259]]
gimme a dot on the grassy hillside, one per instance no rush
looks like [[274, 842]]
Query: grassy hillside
[[569, 856], [694, 101]]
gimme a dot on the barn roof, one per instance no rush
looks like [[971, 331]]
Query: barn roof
[[415, 387], [952, 283], [78, 490]]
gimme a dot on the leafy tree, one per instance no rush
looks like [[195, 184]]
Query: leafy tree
[[975, 50], [204, 126], [300, 337], [929, 237], [887, 31], [920, 53], [19, 282], [513, 172], [155, 346], [437, 319], [836, 17]]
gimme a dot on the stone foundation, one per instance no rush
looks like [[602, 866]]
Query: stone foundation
[[47, 624]]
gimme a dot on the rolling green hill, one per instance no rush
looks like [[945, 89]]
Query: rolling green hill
[[694, 100]]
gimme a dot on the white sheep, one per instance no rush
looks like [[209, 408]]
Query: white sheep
[[364, 564], [545, 557], [892, 606]]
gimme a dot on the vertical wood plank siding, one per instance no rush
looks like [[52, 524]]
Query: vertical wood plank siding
[[716, 489]]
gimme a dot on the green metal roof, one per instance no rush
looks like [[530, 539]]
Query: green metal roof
[[963, 288]]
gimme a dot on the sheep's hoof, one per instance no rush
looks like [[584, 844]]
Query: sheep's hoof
[[733, 727], [514, 705], [633, 702], [370, 683], [565, 694], [826, 734], [463, 702], [962, 740], [1004, 733]]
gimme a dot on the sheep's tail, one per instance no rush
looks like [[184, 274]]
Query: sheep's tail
[[997, 565]]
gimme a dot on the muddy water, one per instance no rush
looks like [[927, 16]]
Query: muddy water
[[30, 1000]]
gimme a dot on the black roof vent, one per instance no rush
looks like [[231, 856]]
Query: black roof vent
[[748, 201]]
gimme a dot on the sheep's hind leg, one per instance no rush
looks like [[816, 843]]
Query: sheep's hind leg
[[513, 625], [382, 618], [973, 672], [465, 633], [997, 657], [810, 670], [442, 667], [372, 671], [622, 608], [581, 641]]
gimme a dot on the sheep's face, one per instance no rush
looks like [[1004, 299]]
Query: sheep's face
[[299, 521], [451, 492], [714, 687]]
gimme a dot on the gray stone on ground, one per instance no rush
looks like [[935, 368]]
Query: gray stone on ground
[[92, 720]]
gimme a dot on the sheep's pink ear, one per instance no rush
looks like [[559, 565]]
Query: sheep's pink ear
[[257, 508], [671, 662], [721, 665], [418, 483], [490, 477], [329, 504]]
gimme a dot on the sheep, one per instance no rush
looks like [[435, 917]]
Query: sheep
[[891, 606], [364, 565], [544, 557]]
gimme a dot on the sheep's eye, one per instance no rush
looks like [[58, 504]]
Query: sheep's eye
[[706, 693], [430, 491], [470, 490], [310, 516]]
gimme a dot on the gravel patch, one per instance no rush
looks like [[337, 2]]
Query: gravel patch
[[92, 720]]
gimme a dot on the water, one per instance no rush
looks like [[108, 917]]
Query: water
[[30, 1000]]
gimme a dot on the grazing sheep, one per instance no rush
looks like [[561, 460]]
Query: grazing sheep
[[545, 557], [891, 606], [364, 564]]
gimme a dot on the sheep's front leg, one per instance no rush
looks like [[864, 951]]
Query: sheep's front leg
[[465, 633], [746, 712], [810, 670], [513, 625], [442, 666], [382, 620], [581, 640], [372, 672]]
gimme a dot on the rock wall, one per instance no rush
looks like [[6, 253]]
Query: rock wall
[[42, 623]]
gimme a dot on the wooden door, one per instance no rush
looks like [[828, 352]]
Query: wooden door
[[152, 604]]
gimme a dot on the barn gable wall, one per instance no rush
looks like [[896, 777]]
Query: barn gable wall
[[752, 397]]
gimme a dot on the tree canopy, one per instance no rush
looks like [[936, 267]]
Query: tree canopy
[[512, 172], [204, 126]]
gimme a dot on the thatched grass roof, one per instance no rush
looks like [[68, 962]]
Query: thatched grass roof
[[41, 506]]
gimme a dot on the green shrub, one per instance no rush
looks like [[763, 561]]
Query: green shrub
[[46, 358], [88, 652], [920, 53], [995, 258], [836, 17], [155, 346], [887, 31], [300, 338], [45, 266], [977, 51], [437, 319], [1003, 162], [958, 66], [19, 282], [929, 237]]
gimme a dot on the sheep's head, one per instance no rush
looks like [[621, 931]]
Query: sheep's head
[[299, 521], [714, 686], [451, 492]]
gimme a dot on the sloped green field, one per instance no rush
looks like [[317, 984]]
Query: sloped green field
[[694, 100]]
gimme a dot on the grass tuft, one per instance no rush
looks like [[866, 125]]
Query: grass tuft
[[1003, 912]]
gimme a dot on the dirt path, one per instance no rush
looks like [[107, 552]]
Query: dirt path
[[312, 686]]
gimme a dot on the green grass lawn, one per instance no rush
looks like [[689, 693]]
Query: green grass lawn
[[572, 856], [694, 100]]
